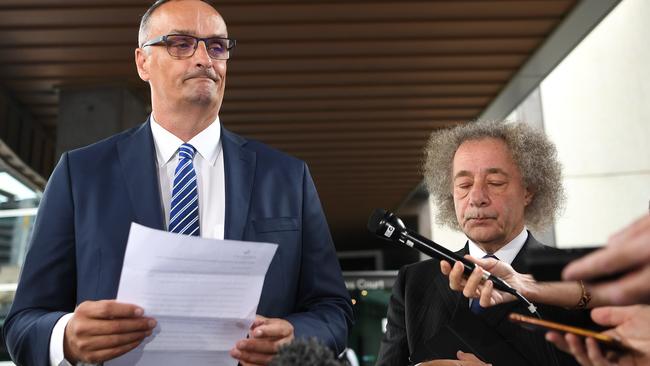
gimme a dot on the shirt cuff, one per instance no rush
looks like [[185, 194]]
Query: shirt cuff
[[57, 358]]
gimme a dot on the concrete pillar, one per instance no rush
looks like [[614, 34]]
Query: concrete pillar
[[87, 115], [530, 112], [596, 110]]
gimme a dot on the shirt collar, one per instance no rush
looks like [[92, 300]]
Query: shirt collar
[[207, 143], [507, 253]]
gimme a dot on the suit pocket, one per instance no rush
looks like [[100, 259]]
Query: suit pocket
[[275, 224]]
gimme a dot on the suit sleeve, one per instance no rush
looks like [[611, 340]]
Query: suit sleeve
[[323, 304], [47, 285], [393, 349]]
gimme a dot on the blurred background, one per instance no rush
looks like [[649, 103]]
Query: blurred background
[[354, 88]]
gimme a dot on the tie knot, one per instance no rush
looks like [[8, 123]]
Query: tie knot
[[186, 151], [490, 256]]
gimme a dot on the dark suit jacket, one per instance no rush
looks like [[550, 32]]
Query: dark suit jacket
[[94, 194], [427, 320]]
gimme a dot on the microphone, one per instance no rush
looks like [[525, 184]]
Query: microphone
[[388, 226], [304, 352]]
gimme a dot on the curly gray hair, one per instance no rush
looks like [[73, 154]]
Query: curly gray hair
[[533, 153]]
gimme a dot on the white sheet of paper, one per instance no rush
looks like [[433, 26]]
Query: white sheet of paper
[[203, 293]]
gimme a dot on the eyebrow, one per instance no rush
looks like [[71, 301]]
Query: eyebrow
[[467, 173], [496, 171], [191, 33], [463, 173]]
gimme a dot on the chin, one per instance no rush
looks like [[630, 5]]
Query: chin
[[484, 235], [203, 99], [202, 92]]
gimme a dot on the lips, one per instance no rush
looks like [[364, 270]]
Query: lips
[[480, 219], [203, 78]]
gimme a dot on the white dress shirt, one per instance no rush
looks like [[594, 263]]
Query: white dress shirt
[[507, 253], [210, 173], [208, 164]]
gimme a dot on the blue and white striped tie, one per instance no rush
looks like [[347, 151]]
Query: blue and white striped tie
[[184, 213]]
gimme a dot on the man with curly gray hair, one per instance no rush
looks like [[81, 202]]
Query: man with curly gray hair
[[491, 180], [532, 153]]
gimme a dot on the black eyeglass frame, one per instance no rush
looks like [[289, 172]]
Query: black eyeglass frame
[[162, 41]]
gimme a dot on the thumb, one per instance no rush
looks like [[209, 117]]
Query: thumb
[[487, 264], [613, 316], [259, 320]]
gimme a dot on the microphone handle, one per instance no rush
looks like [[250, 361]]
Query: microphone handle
[[416, 241], [502, 285], [450, 257]]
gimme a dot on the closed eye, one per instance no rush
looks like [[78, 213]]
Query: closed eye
[[496, 183]]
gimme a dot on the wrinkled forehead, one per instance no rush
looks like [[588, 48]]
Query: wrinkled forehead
[[187, 17], [484, 155]]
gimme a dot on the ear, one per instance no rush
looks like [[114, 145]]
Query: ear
[[528, 197], [142, 63]]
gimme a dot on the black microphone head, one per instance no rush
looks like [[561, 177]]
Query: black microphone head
[[383, 223], [304, 352], [375, 220]]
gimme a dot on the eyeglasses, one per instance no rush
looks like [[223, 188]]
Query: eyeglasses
[[184, 46]]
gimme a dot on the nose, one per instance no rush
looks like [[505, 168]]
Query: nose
[[201, 55], [478, 195]]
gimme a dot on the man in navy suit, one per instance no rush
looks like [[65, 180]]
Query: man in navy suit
[[63, 311]]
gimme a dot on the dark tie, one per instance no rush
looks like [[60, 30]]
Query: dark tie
[[476, 307], [184, 212]]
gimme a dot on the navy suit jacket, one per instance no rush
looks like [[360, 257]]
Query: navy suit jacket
[[77, 249], [427, 320]]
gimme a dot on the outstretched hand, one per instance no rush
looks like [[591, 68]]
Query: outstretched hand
[[627, 251], [630, 327]]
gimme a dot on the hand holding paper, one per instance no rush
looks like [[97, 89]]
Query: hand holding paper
[[102, 330], [264, 339], [203, 293]]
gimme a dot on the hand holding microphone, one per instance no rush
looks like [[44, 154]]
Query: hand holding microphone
[[483, 291]]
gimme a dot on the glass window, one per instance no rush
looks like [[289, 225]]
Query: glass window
[[18, 205]]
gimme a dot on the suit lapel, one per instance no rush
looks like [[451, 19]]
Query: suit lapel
[[239, 166], [137, 157], [429, 336], [519, 263], [435, 308]]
